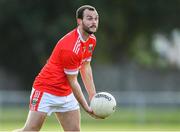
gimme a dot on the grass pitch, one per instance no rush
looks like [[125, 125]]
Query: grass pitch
[[124, 119]]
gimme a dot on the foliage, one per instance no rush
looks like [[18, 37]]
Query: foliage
[[30, 30]]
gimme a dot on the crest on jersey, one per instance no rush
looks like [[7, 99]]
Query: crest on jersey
[[90, 47], [34, 101]]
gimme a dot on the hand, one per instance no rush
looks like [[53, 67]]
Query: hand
[[91, 113]]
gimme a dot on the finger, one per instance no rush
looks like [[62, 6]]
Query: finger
[[96, 117], [99, 117]]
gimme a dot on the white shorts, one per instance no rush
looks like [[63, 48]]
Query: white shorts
[[48, 103]]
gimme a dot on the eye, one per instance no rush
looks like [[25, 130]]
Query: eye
[[89, 18], [96, 18]]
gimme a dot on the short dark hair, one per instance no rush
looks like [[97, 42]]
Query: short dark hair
[[80, 10]]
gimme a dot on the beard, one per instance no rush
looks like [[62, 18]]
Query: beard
[[87, 29]]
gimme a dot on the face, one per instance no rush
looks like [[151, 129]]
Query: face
[[90, 21]]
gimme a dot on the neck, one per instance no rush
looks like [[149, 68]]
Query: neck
[[84, 34]]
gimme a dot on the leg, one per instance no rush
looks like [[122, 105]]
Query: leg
[[34, 121], [70, 120]]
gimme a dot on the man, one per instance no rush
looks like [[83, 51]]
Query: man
[[56, 88]]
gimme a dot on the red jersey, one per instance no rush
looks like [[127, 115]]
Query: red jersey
[[68, 55]]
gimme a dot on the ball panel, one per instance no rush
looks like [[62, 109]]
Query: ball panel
[[103, 104]]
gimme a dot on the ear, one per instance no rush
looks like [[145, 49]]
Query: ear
[[79, 21]]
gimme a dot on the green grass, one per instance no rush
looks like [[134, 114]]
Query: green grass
[[123, 119]]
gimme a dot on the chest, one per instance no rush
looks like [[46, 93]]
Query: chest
[[87, 48]]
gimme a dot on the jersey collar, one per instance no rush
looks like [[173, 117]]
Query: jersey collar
[[81, 38]]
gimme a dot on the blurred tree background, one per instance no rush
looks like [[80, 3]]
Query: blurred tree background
[[29, 31]]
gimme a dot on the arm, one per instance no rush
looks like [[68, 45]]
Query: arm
[[76, 88], [87, 77], [71, 67], [79, 95]]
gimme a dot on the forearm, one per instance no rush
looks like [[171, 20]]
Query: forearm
[[87, 77], [78, 94]]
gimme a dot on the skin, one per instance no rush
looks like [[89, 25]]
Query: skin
[[89, 23], [70, 121]]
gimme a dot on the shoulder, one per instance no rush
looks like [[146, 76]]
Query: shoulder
[[69, 40], [72, 35], [92, 40], [92, 36]]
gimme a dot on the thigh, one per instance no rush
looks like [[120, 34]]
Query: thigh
[[69, 120], [34, 121]]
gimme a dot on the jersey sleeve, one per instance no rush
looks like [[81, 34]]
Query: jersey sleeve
[[71, 62]]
